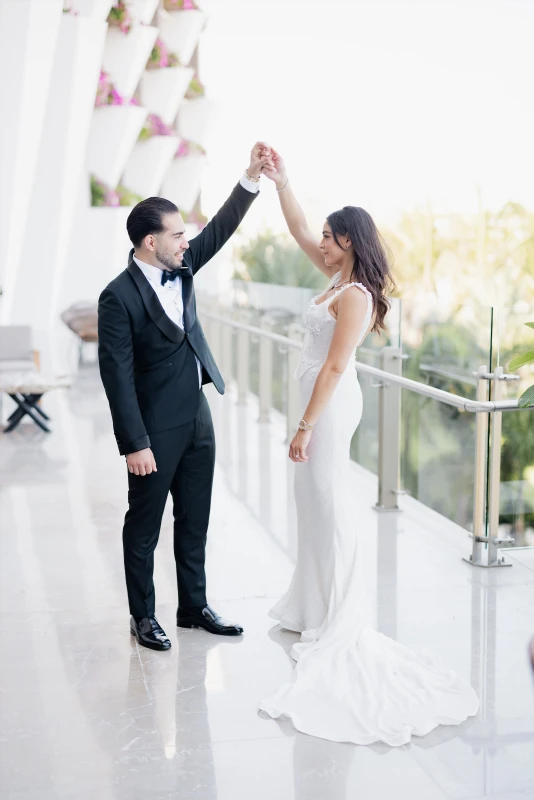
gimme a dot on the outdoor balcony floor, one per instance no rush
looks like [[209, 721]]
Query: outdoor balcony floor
[[86, 714]]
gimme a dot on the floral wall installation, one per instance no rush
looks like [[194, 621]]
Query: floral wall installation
[[160, 57], [154, 126], [120, 17], [107, 95], [195, 89], [187, 148], [181, 5], [104, 197]]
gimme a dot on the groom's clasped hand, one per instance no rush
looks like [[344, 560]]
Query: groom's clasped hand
[[261, 160]]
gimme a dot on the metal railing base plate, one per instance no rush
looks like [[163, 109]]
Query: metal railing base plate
[[377, 507], [500, 563]]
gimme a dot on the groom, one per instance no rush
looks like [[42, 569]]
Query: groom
[[153, 361]]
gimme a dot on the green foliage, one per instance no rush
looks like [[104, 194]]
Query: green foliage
[[98, 192], [103, 196], [145, 133], [273, 258], [527, 398], [127, 197], [486, 257], [520, 361]]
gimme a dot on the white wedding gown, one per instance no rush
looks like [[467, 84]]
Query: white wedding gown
[[351, 683]]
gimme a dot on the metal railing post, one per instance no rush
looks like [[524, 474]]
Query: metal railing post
[[478, 555], [294, 411], [214, 339], [243, 366], [486, 507], [389, 419], [265, 372], [226, 352], [494, 488]]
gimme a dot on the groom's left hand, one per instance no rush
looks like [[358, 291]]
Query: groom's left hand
[[260, 157]]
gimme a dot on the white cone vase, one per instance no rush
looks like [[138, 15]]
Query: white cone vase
[[143, 10], [126, 54], [195, 120], [98, 10], [180, 30], [162, 90], [114, 132], [183, 179], [148, 164]]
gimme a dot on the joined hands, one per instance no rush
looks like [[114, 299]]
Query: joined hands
[[265, 160]]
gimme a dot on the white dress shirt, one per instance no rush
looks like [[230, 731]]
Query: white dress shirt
[[170, 295]]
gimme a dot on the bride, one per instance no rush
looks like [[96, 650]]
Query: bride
[[351, 683]]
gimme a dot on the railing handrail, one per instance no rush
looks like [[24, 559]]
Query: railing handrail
[[387, 378], [242, 326]]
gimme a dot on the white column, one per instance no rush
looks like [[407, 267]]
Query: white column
[[28, 35], [60, 168]]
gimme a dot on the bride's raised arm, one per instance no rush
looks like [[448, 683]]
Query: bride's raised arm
[[294, 215]]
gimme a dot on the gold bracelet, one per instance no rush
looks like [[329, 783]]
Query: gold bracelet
[[305, 426], [283, 187], [249, 177]]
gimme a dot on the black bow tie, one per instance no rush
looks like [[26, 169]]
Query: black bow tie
[[170, 275]]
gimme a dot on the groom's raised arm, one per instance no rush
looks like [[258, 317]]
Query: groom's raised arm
[[228, 218]]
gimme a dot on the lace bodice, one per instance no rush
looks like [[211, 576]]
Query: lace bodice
[[320, 326]]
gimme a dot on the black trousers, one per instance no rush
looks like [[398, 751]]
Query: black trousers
[[185, 459]]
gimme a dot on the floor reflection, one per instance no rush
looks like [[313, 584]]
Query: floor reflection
[[86, 713], [386, 572]]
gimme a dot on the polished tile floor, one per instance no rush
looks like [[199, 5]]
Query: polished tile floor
[[87, 714]]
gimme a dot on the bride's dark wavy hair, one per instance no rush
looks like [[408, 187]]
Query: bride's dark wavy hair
[[371, 261]]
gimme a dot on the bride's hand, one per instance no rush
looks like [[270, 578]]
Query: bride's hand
[[299, 446], [260, 159], [278, 175]]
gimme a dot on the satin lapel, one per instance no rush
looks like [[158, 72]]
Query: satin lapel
[[188, 297], [154, 307]]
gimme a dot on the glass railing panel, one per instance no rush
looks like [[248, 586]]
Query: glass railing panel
[[438, 456], [364, 444], [512, 337], [443, 348]]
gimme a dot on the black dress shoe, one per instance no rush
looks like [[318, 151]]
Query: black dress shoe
[[149, 633], [208, 619]]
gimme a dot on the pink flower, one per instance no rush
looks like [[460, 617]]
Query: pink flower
[[183, 149], [158, 127], [112, 198], [115, 99]]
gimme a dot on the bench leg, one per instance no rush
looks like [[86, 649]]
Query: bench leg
[[32, 399], [25, 406], [14, 419]]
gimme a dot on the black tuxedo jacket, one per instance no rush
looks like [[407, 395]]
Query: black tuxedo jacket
[[147, 363]]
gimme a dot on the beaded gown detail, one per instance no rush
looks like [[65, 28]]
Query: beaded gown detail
[[351, 683]]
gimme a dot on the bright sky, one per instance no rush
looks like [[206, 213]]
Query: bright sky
[[387, 104]]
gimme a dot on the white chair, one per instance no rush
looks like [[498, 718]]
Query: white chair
[[16, 350]]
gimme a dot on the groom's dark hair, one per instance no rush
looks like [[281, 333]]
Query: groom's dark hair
[[147, 217]]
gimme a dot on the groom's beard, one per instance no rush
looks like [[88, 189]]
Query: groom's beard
[[167, 261]]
